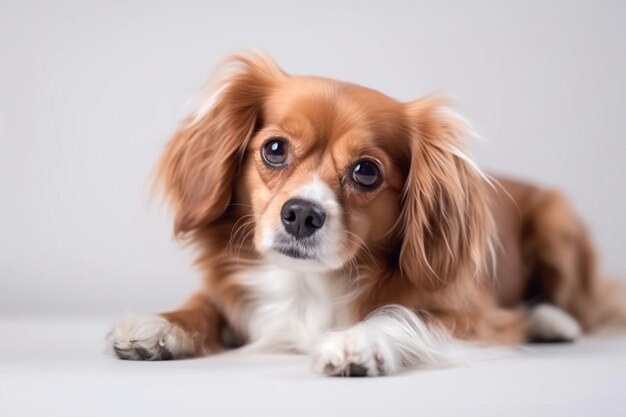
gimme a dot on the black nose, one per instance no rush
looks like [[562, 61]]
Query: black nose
[[302, 218]]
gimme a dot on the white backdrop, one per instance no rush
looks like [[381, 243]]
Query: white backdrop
[[91, 90]]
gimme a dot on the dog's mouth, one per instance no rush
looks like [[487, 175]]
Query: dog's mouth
[[303, 249], [294, 252]]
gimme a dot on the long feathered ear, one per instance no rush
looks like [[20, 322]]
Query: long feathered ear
[[200, 162], [445, 218]]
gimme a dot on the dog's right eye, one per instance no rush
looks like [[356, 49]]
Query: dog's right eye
[[275, 152]]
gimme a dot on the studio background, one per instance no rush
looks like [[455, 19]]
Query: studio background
[[90, 92]]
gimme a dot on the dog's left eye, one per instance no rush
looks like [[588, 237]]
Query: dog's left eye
[[275, 152], [366, 174]]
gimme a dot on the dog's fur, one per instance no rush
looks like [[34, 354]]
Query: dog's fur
[[398, 276]]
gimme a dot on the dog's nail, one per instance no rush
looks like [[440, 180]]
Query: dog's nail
[[143, 353]]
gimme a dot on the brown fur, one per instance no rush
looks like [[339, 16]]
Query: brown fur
[[421, 240]]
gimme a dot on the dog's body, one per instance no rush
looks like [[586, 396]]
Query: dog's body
[[336, 221]]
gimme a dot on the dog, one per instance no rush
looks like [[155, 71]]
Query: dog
[[335, 221]]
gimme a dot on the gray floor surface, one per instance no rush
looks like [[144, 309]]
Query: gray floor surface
[[57, 367]]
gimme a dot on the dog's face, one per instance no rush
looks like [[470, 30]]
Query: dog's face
[[323, 175], [328, 174]]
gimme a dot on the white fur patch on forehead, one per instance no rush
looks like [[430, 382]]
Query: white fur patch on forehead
[[318, 191]]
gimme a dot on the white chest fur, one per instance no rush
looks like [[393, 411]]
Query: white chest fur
[[292, 309]]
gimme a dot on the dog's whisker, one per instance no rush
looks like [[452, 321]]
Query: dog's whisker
[[361, 244], [240, 229], [243, 226]]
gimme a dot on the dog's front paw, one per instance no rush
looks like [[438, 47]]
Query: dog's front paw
[[148, 338], [359, 351]]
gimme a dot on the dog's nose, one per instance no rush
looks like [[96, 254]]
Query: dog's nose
[[302, 218]]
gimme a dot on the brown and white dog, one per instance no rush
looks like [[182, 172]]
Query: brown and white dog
[[333, 220]]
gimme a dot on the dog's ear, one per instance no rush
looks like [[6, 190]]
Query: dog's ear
[[446, 223], [200, 162]]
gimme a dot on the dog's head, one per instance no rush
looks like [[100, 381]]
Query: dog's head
[[330, 173]]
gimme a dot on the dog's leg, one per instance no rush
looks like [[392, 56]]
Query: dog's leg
[[562, 258], [391, 339], [192, 330]]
